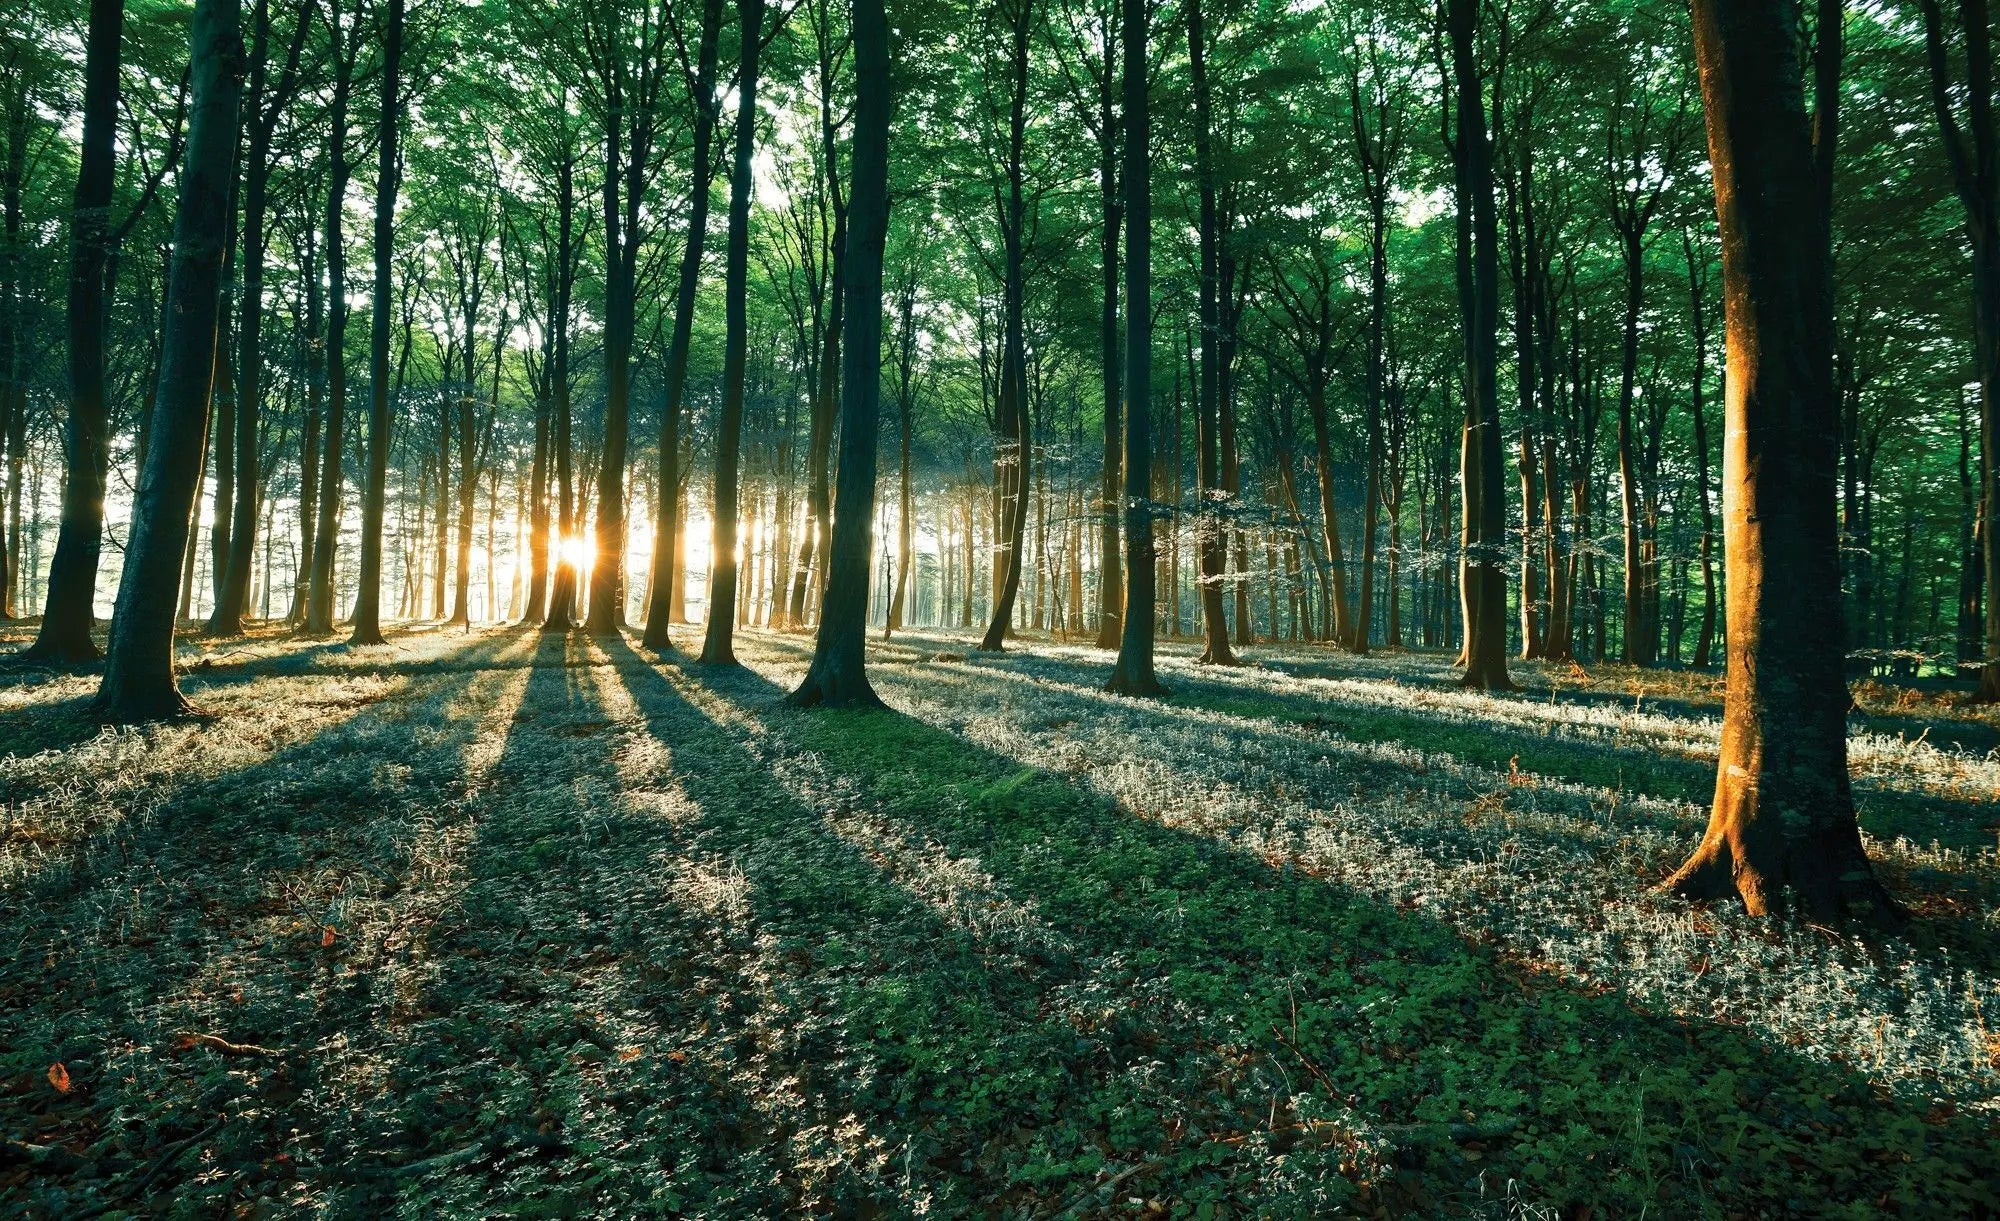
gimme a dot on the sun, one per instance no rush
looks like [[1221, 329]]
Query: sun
[[577, 551]]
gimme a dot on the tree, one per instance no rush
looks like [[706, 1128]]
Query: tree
[[68, 614], [265, 101], [139, 671], [666, 533], [1973, 148], [374, 501], [837, 677], [1482, 579], [718, 644], [1133, 673], [1782, 825]]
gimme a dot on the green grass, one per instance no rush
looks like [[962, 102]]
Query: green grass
[[540, 928]]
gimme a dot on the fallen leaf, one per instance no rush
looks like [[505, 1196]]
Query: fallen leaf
[[59, 1077], [326, 936]]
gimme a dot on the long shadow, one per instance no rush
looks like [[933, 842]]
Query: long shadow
[[206, 917], [1922, 818], [1948, 732], [59, 724], [1950, 905], [650, 991], [1393, 1016]]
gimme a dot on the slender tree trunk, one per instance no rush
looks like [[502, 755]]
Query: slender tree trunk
[[1013, 400], [139, 673], [326, 534], [718, 645], [368, 593], [1974, 150], [68, 614], [1133, 674], [1110, 573], [667, 532]]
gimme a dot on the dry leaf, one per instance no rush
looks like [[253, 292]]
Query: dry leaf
[[326, 936], [59, 1077]]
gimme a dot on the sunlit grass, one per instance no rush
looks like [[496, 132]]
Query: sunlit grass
[[514, 923]]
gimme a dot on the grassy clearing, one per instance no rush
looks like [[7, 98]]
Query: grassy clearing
[[501, 923]]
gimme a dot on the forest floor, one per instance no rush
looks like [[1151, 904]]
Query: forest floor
[[487, 923]]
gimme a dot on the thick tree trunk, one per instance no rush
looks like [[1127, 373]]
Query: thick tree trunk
[[1133, 674], [1782, 828], [838, 676], [718, 644], [1483, 578], [139, 673]]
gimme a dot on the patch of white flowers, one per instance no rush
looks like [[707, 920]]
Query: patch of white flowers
[[1558, 872]]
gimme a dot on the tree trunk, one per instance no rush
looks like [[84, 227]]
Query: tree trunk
[[139, 674], [1213, 535], [718, 644], [1110, 573], [326, 534], [1133, 674], [837, 677], [1973, 151], [1013, 400], [667, 529], [68, 613], [368, 593], [1782, 827], [1483, 578]]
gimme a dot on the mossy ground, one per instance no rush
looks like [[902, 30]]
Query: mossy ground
[[502, 923]]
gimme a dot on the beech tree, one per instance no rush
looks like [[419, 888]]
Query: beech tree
[[139, 681], [1782, 827]]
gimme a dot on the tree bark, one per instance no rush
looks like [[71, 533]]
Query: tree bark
[[139, 673], [1483, 578], [1133, 674], [1782, 829], [837, 677], [718, 644], [68, 613], [666, 533], [368, 593]]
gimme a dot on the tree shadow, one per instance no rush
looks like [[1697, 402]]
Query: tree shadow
[[1384, 1017], [234, 910], [1618, 766], [641, 1000]]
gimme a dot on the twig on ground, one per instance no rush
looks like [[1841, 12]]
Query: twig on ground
[[189, 1038]]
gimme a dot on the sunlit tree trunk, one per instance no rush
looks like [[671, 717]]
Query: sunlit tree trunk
[[1782, 828]]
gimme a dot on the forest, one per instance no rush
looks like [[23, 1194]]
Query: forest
[[1019, 608]]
